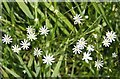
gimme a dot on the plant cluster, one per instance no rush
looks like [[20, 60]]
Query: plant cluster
[[67, 39]]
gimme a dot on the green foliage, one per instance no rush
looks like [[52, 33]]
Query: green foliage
[[58, 17]]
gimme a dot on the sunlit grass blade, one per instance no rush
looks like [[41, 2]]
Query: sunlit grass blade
[[7, 7], [25, 9], [4, 73], [11, 72], [96, 7], [30, 63], [61, 16], [104, 15], [57, 67], [60, 25], [27, 70]]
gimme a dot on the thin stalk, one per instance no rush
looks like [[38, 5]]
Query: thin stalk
[[36, 5], [66, 68], [49, 73], [73, 67]]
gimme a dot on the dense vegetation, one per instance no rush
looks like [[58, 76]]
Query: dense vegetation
[[97, 19]]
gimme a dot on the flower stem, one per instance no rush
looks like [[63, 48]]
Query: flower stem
[[73, 68], [66, 68]]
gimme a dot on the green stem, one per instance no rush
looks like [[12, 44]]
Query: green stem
[[36, 5], [73, 68], [49, 73], [97, 73], [66, 68]]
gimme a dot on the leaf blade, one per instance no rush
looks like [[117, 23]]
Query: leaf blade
[[56, 70], [25, 9]]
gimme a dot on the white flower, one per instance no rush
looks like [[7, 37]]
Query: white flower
[[90, 48], [16, 48], [98, 64], [36, 19], [111, 36], [95, 35], [114, 55], [7, 39], [30, 30], [25, 44], [77, 19], [24, 71], [31, 36], [48, 59], [86, 16], [86, 57], [81, 43], [76, 49], [37, 52], [44, 30], [106, 42]]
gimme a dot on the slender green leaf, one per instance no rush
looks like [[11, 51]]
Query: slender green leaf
[[60, 25], [96, 7], [5, 75], [61, 16], [105, 18], [21, 61], [11, 72], [25, 9], [7, 7], [57, 67], [30, 61]]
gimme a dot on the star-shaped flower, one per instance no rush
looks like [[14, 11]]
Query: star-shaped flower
[[98, 64], [81, 43], [90, 48], [114, 55], [30, 30], [48, 59], [7, 39], [86, 57], [16, 48], [106, 42], [25, 44], [76, 49], [111, 36], [31, 36], [77, 19], [37, 52], [44, 30]]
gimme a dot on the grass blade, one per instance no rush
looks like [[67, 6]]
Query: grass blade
[[56, 70], [96, 7], [4, 73], [30, 61], [21, 61], [61, 16], [7, 7], [11, 72], [25, 9], [60, 25], [104, 16]]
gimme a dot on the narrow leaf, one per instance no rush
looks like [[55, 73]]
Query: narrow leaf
[[61, 16], [6, 6], [57, 67], [4, 73], [25, 9], [11, 72], [21, 61]]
